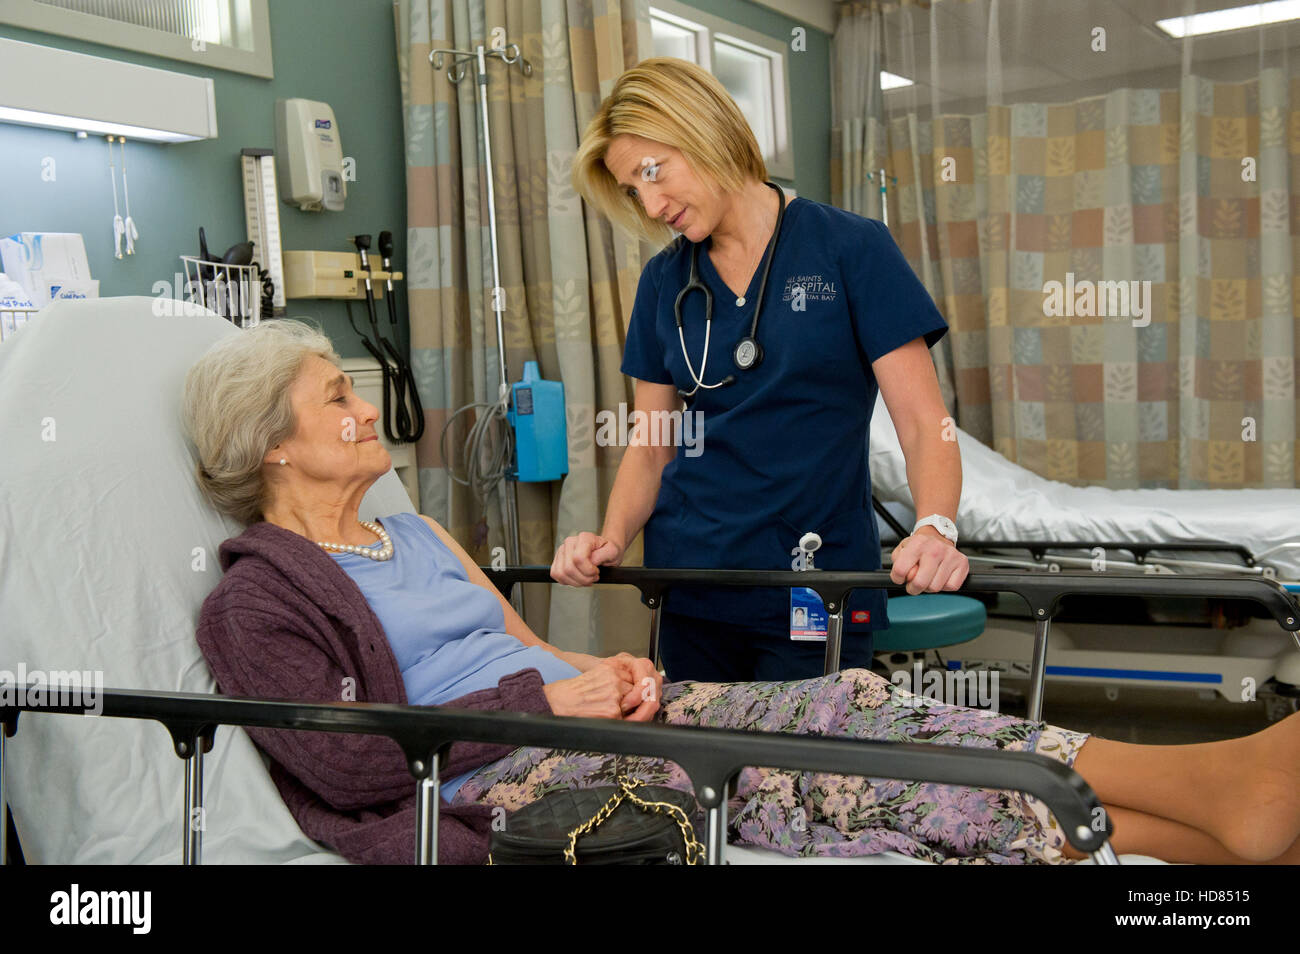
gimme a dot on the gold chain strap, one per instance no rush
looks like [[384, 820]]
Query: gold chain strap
[[602, 813], [694, 850]]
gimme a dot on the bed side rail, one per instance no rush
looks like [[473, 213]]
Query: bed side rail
[[712, 758], [1042, 592]]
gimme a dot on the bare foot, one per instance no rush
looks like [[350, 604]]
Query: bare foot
[[1262, 820]]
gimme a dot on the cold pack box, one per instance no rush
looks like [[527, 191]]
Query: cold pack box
[[48, 265]]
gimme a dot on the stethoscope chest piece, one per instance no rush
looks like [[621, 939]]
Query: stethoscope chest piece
[[748, 353]]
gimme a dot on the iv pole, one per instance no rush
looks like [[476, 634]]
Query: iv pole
[[884, 204], [456, 73]]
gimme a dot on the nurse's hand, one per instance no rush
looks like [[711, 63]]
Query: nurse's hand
[[928, 562], [596, 694], [578, 560]]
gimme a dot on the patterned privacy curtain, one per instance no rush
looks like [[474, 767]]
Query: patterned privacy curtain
[[569, 280], [1186, 185]]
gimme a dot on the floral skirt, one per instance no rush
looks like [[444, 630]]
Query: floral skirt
[[815, 813]]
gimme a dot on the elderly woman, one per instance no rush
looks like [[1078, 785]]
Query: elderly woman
[[317, 606]]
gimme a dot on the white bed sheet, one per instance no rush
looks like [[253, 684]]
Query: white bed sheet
[[1001, 500]]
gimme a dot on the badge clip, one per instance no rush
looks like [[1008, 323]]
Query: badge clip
[[808, 618]]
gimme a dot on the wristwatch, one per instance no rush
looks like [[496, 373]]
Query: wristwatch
[[940, 523]]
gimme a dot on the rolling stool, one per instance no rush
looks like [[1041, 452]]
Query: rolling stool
[[930, 621]]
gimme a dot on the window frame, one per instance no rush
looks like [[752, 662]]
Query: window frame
[[31, 15], [708, 29]]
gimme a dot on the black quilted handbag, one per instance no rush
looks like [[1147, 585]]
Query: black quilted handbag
[[626, 824]]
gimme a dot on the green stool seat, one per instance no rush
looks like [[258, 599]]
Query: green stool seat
[[930, 621]]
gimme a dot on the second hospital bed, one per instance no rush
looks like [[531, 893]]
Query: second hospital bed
[[107, 552], [1011, 517]]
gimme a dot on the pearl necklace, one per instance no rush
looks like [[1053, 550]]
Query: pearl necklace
[[383, 553]]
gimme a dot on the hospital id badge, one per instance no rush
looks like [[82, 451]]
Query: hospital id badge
[[808, 619]]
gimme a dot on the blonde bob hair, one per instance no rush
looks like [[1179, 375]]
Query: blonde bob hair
[[237, 406], [681, 105]]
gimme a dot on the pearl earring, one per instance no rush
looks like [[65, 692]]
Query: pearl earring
[[283, 462]]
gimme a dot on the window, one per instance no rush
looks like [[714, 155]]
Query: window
[[750, 65], [224, 34]]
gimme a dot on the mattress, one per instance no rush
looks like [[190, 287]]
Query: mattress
[[1258, 519]]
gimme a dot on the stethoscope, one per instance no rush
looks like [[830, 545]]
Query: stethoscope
[[748, 353]]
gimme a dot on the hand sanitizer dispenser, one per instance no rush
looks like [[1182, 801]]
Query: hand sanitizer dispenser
[[309, 155]]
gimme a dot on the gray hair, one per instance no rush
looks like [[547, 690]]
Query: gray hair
[[237, 407]]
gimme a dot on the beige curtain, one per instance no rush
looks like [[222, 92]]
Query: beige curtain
[[568, 279], [1168, 195]]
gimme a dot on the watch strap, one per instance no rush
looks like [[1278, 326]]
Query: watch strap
[[941, 523]]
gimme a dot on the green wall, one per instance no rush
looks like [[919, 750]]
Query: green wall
[[810, 89], [346, 58]]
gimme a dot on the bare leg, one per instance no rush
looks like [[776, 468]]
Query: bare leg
[[1243, 793], [1137, 833], [1141, 834]]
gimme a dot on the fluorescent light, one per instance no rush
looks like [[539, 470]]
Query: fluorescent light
[[889, 80], [45, 86], [28, 117], [1238, 18]]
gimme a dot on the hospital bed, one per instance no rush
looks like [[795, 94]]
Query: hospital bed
[[108, 551], [1010, 517]]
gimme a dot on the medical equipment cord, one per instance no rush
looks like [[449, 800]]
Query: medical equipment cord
[[412, 393], [485, 465], [119, 224], [399, 381], [362, 243], [383, 367]]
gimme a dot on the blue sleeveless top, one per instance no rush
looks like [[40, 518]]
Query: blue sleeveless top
[[447, 633]]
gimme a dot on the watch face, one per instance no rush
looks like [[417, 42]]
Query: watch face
[[942, 524]]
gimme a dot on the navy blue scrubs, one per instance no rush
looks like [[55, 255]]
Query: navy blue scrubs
[[781, 450]]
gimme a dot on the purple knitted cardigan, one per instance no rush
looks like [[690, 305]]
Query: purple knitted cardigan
[[287, 622]]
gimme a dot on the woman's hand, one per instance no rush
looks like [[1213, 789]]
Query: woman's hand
[[644, 683], [579, 558], [642, 700], [597, 694], [928, 562]]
